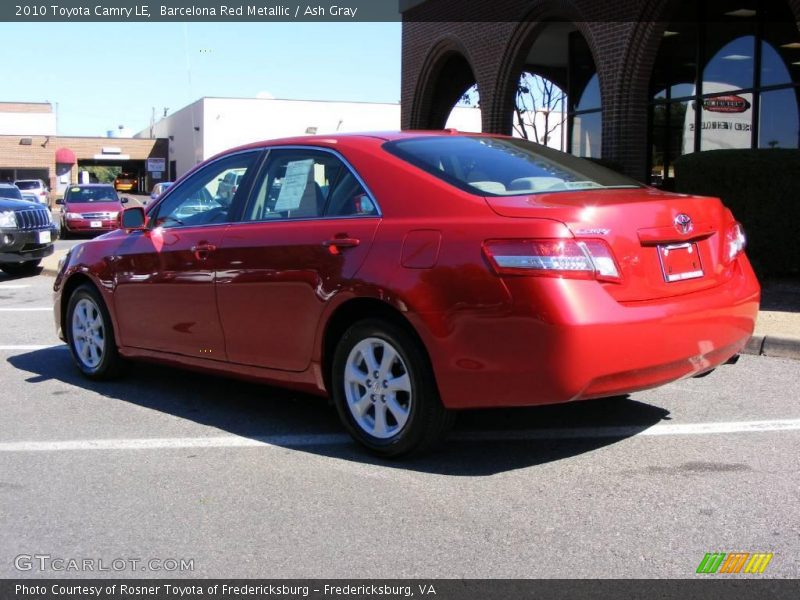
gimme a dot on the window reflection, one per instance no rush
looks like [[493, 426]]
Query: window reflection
[[732, 66], [587, 129], [778, 121]]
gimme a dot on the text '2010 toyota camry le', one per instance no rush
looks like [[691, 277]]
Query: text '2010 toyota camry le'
[[410, 275]]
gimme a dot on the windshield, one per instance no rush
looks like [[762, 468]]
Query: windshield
[[504, 167], [10, 192], [95, 194], [27, 185]]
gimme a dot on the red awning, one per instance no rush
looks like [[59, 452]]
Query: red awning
[[65, 156]]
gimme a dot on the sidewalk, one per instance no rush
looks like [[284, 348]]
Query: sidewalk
[[777, 331]]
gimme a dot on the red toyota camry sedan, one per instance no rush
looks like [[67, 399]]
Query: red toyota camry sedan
[[410, 275]]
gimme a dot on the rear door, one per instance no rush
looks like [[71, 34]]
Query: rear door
[[304, 233]]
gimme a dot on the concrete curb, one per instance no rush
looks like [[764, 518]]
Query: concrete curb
[[774, 347]]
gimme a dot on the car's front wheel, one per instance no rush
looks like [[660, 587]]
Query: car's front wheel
[[24, 268], [90, 334], [385, 392]]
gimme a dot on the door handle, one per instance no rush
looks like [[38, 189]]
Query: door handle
[[341, 242], [202, 250]]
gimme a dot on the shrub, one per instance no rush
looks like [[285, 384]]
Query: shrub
[[762, 188]]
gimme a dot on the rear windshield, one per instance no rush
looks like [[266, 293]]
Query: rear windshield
[[96, 194], [504, 167], [10, 192], [27, 185]]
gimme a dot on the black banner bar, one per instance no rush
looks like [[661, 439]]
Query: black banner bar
[[711, 588]]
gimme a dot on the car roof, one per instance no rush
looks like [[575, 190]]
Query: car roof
[[346, 140]]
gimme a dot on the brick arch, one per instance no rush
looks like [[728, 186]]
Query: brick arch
[[447, 73], [524, 35]]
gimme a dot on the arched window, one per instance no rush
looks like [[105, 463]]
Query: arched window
[[466, 113], [557, 92], [585, 116], [724, 78]]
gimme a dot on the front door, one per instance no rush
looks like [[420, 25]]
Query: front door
[[165, 277]]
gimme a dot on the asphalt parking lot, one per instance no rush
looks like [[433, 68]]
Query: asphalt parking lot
[[251, 481]]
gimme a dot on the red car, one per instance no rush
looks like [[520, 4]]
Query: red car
[[410, 275], [90, 208]]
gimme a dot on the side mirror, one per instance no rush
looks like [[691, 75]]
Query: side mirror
[[124, 200], [133, 219], [59, 201]]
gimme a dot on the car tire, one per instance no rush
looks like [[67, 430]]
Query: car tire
[[90, 335], [399, 412], [24, 268]]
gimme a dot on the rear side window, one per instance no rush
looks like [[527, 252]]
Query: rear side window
[[28, 185], [504, 167], [304, 184]]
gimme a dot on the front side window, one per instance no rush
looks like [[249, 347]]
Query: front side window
[[304, 184], [504, 167], [207, 196]]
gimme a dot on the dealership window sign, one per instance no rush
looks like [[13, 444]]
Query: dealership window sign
[[726, 121]]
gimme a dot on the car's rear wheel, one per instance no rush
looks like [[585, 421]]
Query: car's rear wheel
[[90, 334], [24, 268], [385, 392]]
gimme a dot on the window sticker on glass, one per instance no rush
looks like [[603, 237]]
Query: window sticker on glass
[[294, 184]]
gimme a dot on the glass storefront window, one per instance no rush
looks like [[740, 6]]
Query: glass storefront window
[[778, 121], [587, 130], [731, 67], [747, 94], [773, 67], [590, 98]]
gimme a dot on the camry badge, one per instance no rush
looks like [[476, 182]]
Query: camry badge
[[683, 223], [593, 231]]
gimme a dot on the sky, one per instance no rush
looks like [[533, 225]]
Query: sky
[[103, 75]]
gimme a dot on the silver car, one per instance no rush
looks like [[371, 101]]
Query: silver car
[[34, 190]]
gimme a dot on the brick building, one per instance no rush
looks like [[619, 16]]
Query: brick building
[[634, 71], [30, 149]]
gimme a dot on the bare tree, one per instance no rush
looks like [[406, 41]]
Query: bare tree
[[470, 98], [538, 95]]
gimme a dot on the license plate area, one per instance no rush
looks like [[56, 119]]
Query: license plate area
[[680, 262], [95, 224], [44, 237]]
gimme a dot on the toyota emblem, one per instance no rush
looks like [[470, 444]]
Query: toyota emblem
[[683, 223]]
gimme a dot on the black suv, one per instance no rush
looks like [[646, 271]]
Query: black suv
[[26, 232]]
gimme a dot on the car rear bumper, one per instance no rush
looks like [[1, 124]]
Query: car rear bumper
[[565, 340]]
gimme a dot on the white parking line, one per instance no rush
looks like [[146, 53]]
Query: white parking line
[[24, 309], [10, 286], [283, 441]]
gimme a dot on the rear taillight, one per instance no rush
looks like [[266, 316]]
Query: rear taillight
[[584, 259], [735, 241]]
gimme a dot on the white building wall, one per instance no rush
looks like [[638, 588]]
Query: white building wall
[[186, 144], [233, 122]]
